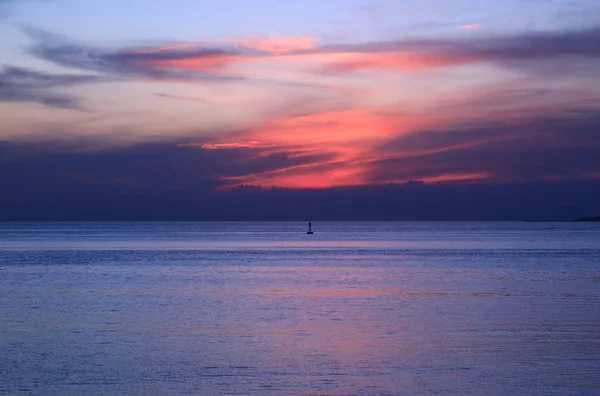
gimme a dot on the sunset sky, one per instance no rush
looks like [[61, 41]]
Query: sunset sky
[[202, 97]]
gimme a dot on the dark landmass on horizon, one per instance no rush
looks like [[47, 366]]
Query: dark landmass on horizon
[[580, 220], [586, 219]]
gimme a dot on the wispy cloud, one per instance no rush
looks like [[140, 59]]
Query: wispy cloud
[[216, 60], [278, 44], [186, 60], [228, 146], [536, 149], [427, 54], [23, 85], [474, 26], [373, 146]]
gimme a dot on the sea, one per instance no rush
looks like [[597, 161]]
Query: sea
[[372, 308]]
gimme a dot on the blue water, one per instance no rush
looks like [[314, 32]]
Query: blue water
[[264, 309]]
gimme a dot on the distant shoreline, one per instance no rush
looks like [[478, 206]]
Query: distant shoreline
[[581, 220], [587, 219]]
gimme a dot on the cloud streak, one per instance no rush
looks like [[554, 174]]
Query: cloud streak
[[188, 60], [216, 61], [474, 26], [427, 54], [23, 85], [551, 147], [372, 146]]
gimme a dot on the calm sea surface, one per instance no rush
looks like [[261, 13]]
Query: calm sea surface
[[264, 309]]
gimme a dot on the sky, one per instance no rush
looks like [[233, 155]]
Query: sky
[[265, 109]]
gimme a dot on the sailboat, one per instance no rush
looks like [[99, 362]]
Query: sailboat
[[310, 231]]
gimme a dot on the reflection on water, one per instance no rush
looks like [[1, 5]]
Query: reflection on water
[[438, 317]]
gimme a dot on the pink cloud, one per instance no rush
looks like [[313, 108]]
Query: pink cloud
[[474, 26], [351, 62], [341, 139], [277, 44], [224, 146], [291, 54]]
